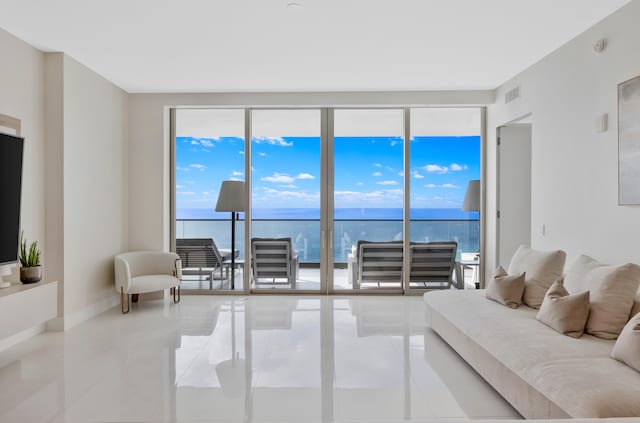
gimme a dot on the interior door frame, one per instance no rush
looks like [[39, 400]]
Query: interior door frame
[[519, 120]]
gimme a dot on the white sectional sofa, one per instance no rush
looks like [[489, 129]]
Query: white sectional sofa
[[542, 373]]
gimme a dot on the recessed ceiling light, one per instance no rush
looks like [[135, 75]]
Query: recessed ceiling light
[[294, 6]]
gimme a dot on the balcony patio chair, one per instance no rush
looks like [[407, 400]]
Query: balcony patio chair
[[433, 263], [273, 259], [379, 263], [139, 272], [201, 257]]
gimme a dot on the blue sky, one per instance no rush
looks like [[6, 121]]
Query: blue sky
[[368, 171]]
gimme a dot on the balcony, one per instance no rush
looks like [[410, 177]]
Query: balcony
[[305, 236]]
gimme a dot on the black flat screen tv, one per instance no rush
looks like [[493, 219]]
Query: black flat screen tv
[[11, 148]]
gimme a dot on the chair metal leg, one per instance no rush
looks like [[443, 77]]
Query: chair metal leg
[[173, 290], [122, 295]]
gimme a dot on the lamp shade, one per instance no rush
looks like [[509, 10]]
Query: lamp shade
[[231, 197], [472, 196]]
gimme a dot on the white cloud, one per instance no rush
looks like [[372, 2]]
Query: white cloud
[[287, 195], [279, 178], [417, 175], [180, 187], [237, 173], [377, 165], [359, 184], [261, 154], [241, 152], [305, 176], [197, 166], [273, 141], [445, 186], [456, 167], [205, 142], [400, 173], [377, 198], [376, 174], [185, 193], [182, 169], [434, 168], [233, 178], [288, 186], [387, 182], [394, 143]]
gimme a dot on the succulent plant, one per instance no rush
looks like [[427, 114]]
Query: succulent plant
[[29, 257]]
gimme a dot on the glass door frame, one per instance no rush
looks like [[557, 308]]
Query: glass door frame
[[326, 199], [323, 289], [329, 211]]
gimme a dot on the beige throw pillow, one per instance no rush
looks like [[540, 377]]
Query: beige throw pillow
[[506, 289], [565, 313], [542, 269], [627, 347], [612, 292]]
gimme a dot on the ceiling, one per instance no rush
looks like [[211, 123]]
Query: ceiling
[[323, 45]]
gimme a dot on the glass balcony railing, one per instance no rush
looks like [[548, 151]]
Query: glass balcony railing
[[305, 233]]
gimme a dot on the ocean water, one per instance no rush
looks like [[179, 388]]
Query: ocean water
[[339, 214], [350, 225]]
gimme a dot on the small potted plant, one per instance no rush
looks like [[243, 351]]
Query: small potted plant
[[31, 270]]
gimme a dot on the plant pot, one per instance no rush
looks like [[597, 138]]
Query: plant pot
[[30, 274]]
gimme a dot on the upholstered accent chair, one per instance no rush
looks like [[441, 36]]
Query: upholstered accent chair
[[139, 272]]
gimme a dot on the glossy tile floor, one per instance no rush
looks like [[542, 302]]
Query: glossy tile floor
[[246, 359]]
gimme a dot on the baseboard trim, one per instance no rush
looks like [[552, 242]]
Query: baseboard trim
[[12, 340], [74, 319]]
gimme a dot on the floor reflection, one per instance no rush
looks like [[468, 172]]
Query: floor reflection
[[246, 359]]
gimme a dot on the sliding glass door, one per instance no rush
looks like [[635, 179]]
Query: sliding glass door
[[445, 159], [285, 199], [367, 199], [339, 199], [209, 149]]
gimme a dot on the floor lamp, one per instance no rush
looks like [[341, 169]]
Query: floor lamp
[[231, 199]]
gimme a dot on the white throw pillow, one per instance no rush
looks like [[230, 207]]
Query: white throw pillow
[[627, 347], [612, 293], [541, 268]]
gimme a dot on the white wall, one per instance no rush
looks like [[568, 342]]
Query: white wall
[[75, 193], [22, 97], [149, 141], [95, 187], [574, 171], [54, 173]]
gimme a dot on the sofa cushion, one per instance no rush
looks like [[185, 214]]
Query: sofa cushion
[[506, 289], [627, 347], [563, 312], [595, 387], [612, 293], [542, 269], [513, 336]]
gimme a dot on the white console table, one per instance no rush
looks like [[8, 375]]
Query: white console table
[[24, 307]]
